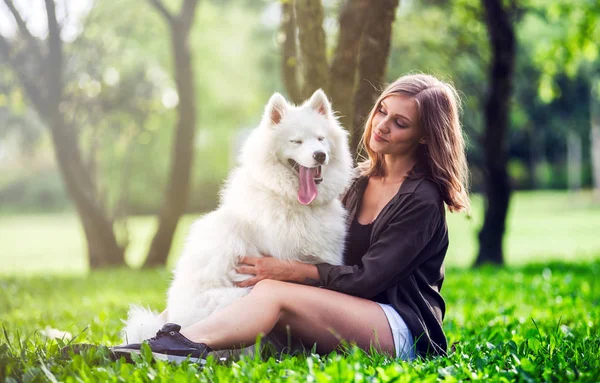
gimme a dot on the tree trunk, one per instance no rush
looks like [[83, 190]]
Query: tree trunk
[[103, 249], [45, 95], [537, 156], [309, 15], [497, 111], [182, 154], [342, 73], [374, 52], [574, 160], [289, 51]]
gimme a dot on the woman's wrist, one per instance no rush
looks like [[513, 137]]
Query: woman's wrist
[[303, 271]]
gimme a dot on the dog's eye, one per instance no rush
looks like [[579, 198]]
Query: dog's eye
[[296, 141], [320, 138]]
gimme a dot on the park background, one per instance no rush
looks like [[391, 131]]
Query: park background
[[119, 121]]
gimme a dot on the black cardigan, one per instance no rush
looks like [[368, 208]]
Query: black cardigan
[[405, 259]]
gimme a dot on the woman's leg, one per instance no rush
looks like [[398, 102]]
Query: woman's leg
[[313, 315]]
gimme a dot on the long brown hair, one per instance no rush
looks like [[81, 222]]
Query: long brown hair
[[444, 154]]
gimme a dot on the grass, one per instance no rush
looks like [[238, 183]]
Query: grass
[[523, 322], [532, 323]]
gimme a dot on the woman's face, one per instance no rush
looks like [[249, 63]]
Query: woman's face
[[395, 129]]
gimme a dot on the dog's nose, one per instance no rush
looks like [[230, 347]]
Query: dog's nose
[[319, 156]]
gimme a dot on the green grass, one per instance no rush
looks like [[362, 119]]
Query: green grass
[[542, 226], [533, 323], [523, 322]]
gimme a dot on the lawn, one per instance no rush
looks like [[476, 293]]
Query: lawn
[[529, 321], [532, 323]]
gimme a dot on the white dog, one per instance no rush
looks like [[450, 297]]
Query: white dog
[[282, 201]]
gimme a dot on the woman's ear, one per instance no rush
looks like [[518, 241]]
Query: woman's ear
[[422, 141]]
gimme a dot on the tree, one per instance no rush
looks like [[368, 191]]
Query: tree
[[25, 54], [497, 111], [182, 154], [359, 63], [39, 66], [373, 56]]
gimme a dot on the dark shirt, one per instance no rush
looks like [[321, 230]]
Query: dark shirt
[[358, 241], [404, 262]]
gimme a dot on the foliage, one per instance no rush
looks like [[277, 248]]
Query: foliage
[[227, 97], [532, 323], [121, 97], [236, 55], [456, 49], [40, 190], [570, 45]]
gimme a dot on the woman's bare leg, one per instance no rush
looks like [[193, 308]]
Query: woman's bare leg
[[314, 315]]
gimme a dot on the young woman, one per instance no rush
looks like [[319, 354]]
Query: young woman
[[387, 295]]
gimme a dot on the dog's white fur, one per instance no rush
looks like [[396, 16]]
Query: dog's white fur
[[259, 214]]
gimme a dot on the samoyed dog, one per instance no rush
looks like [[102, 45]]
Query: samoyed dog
[[281, 201]]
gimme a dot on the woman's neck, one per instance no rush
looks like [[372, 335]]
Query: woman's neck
[[397, 167]]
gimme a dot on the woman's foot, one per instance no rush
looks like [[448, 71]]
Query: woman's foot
[[168, 345]]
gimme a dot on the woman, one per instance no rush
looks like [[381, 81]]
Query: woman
[[387, 295]]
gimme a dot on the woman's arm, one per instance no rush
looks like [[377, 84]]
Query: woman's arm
[[410, 238], [271, 268], [398, 251]]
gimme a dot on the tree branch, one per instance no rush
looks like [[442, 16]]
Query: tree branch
[[55, 57], [30, 89], [162, 10], [24, 30], [5, 48]]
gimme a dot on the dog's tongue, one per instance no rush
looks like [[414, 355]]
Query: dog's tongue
[[308, 187]]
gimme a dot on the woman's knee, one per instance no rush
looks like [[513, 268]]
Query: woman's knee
[[267, 287], [278, 292]]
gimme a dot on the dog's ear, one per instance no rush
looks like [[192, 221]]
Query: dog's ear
[[275, 109], [319, 102]]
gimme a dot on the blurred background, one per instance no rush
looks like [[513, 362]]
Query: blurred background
[[119, 120]]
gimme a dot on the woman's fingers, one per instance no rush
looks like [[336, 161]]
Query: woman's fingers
[[248, 260], [244, 269], [247, 265]]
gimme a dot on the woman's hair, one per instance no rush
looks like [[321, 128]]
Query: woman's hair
[[443, 155]]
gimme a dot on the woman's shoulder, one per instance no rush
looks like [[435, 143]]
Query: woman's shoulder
[[426, 190], [424, 202]]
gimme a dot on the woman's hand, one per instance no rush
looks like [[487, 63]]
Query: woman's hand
[[271, 268], [263, 268]]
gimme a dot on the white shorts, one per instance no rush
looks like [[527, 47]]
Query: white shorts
[[403, 339]]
